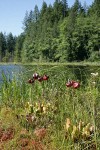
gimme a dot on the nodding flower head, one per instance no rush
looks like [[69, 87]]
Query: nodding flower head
[[73, 84], [31, 81], [76, 85], [70, 83], [40, 79], [45, 77], [35, 76]]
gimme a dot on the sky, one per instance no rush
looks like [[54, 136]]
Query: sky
[[12, 13]]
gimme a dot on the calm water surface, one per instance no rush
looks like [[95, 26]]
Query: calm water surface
[[9, 71]]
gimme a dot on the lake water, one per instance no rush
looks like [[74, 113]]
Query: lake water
[[81, 73], [9, 70]]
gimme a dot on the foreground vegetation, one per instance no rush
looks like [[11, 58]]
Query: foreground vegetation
[[46, 111], [56, 33]]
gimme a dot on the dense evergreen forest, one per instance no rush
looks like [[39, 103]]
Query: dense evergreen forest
[[56, 33]]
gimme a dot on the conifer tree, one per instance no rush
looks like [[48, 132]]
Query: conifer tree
[[2, 45]]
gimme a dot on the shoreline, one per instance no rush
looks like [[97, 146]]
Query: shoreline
[[55, 63]]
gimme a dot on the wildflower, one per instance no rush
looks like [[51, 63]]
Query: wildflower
[[27, 105], [95, 74], [44, 109], [69, 83], [31, 81], [80, 125], [91, 128], [35, 76], [68, 124], [76, 85], [45, 77], [73, 84], [86, 131], [75, 134], [40, 79], [94, 83]]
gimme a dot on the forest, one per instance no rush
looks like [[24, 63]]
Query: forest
[[55, 33]]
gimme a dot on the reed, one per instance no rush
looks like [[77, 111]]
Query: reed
[[69, 115]]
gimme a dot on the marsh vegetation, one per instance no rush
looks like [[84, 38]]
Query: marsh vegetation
[[50, 107]]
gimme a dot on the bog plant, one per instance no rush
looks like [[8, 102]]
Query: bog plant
[[68, 110], [80, 133]]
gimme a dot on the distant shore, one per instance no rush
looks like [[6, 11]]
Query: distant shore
[[55, 63]]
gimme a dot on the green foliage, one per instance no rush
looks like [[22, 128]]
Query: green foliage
[[18, 48], [3, 45], [70, 116]]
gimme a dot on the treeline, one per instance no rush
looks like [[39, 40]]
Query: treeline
[[56, 33]]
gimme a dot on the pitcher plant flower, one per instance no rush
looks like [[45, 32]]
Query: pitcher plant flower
[[72, 83]]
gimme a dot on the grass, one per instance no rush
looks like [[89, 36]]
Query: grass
[[81, 63], [48, 115]]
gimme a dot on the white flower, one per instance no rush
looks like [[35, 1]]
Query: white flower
[[94, 83], [95, 74]]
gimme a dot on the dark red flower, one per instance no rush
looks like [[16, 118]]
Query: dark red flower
[[40, 79], [73, 84], [70, 83], [45, 77], [35, 76], [76, 85], [31, 81]]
